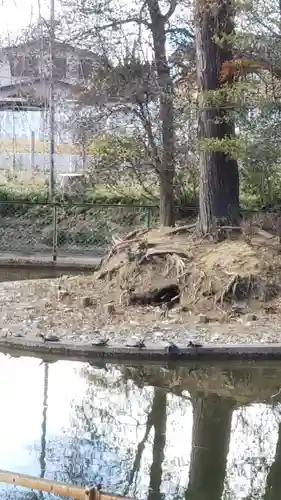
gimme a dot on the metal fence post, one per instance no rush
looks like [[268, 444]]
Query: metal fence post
[[55, 232], [32, 150], [148, 217]]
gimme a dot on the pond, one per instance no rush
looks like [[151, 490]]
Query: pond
[[18, 273], [149, 432]]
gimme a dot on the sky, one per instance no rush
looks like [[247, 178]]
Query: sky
[[17, 14]]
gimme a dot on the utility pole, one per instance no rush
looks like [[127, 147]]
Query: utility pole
[[52, 103], [52, 130]]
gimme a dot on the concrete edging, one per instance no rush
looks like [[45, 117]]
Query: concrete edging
[[156, 355], [61, 264]]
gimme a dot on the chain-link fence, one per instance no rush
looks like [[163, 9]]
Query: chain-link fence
[[68, 229]]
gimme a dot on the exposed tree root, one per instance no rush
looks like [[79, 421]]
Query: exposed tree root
[[153, 252], [109, 272], [182, 229], [136, 232], [229, 290]]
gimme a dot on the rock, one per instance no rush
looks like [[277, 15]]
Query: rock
[[251, 317], [68, 309], [158, 333], [202, 318], [110, 308], [137, 343], [184, 309], [239, 308], [176, 311], [86, 301], [62, 295]]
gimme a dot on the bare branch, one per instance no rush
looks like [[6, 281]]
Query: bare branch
[[121, 22], [148, 128], [183, 31], [171, 10]]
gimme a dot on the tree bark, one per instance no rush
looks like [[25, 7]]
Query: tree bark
[[219, 178], [210, 443], [165, 83]]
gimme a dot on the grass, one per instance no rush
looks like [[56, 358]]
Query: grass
[[21, 185]]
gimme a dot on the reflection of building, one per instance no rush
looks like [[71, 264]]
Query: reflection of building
[[25, 73]]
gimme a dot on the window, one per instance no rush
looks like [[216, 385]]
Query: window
[[25, 66], [32, 66], [59, 67], [85, 69], [17, 65]]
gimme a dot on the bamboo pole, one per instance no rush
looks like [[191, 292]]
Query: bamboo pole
[[62, 489]]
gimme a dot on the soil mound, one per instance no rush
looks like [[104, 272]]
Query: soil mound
[[165, 267]]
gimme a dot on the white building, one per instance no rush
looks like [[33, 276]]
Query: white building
[[25, 73]]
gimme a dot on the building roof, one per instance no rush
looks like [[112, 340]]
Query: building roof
[[25, 83], [19, 104], [26, 59], [83, 53]]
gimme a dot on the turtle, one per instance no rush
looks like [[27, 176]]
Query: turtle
[[102, 342], [138, 344], [194, 344], [18, 334], [172, 348], [98, 364], [49, 337]]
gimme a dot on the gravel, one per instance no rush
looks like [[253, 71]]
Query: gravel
[[39, 306]]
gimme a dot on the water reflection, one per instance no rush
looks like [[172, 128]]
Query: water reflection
[[144, 432]]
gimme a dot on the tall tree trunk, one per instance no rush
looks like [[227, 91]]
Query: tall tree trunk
[[167, 169], [210, 443], [219, 178]]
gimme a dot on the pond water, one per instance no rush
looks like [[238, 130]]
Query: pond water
[[146, 432], [13, 273]]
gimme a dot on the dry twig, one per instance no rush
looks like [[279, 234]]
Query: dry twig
[[181, 229]]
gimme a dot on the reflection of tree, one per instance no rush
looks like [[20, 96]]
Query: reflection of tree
[[157, 418], [212, 417], [97, 452], [44, 422], [139, 452], [136, 440], [273, 483], [114, 432], [159, 408]]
